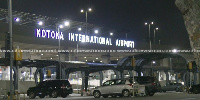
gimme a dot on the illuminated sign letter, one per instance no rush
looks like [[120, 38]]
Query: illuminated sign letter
[[43, 33], [48, 33], [57, 35], [117, 42], [61, 36], [87, 38], [76, 37], [38, 32], [79, 37], [83, 38], [52, 34]]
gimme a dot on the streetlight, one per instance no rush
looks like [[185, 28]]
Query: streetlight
[[79, 29], [96, 31], [66, 23], [82, 11], [155, 34], [40, 23], [149, 33], [111, 34], [17, 19]]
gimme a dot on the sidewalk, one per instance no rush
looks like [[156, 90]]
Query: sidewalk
[[26, 97]]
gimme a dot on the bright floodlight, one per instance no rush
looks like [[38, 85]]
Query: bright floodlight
[[82, 10], [85, 60], [90, 9], [42, 54], [40, 23], [101, 61], [111, 34], [61, 26], [156, 28], [85, 57], [79, 29], [154, 62], [96, 31], [51, 58], [151, 22], [145, 23], [17, 19], [174, 50], [97, 58], [66, 23]]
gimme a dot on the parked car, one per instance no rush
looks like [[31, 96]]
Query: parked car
[[115, 87], [53, 88], [152, 85], [195, 89], [178, 87]]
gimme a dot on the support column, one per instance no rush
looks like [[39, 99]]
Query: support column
[[64, 74], [187, 79], [83, 82], [41, 75], [167, 78], [86, 80], [176, 77], [122, 74], [101, 77], [130, 73], [195, 78], [116, 73]]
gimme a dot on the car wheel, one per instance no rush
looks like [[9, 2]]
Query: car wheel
[[195, 91], [32, 95], [41, 96], [105, 96], [114, 96], [54, 94], [64, 95], [97, 94], [151, 94], [147, 91], [177, 90], [125, 93]]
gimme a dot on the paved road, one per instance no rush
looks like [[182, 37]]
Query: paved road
[[157, 96]]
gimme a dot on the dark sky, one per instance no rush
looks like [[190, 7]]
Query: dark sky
[[122, 16]]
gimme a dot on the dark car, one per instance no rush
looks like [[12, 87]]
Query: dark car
[[152, 85], [178, 87], [53, 88], [195, 89]]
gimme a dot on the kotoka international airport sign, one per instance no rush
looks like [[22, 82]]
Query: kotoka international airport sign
[[83, 38]]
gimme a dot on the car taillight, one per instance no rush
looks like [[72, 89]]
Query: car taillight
[[62, 87], [153, 84], [130, 85]]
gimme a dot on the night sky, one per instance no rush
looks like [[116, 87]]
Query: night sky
[[119, 16]]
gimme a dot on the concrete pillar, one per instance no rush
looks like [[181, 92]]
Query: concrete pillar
[[41, 75], [83, 82], [195, 78], [121, 74], [86, 80], [167, 78], [187, 79], [101, 77], [106, 58], [116, 73], [130, 73], [176, 77], [64, 74]]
